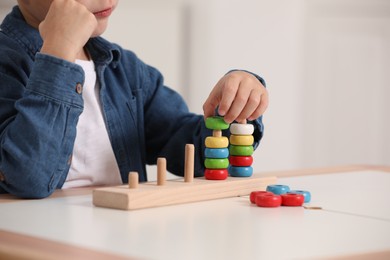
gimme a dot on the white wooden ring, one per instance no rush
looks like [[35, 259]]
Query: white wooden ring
[[241, 129]]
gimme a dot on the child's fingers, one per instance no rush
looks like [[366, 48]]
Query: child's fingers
[[251, 105], [238, 97], [240, 101], [211, 102], [229, 87], [222, 96], [262, 107]]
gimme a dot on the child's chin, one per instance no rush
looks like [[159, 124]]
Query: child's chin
[[100, 29]]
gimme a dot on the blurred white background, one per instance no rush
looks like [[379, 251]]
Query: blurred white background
[[326, 64]]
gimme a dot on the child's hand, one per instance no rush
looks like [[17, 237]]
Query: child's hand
[[239, 95], [66, 29]]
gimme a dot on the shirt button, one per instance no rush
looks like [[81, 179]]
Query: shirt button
[[70, 159], [79, 88], [2, 178]]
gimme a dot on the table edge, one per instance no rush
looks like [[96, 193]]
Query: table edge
[[19, 246]]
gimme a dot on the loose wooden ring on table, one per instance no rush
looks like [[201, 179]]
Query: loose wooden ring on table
[[292, 199], [268, 200], [305, 194], [253, 195], [278, 189]]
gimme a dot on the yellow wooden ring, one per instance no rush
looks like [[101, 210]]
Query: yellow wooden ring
[[216, 142], [241, 139]]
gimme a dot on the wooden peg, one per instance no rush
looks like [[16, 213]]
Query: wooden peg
[[217, 133], [133, 180], [189, 163], [161, 171]]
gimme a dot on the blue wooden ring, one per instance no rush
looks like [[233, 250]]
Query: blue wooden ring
[[278, 189], [218, 153], [305, 194], [237, 171]]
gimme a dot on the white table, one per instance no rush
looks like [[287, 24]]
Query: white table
[[355, 220]]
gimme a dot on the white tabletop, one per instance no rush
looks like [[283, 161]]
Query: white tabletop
[[355, 219]]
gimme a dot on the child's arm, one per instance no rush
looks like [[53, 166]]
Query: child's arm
[[66, 29], [238, 95], [39, 103]]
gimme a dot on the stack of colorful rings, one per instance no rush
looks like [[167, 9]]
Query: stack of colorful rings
[[216, 152], [241, 150]]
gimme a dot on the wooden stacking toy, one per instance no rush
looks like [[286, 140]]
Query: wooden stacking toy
[[216, 152], [241, 150]]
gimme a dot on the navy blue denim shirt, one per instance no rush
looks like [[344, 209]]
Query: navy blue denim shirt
[[40, 105]]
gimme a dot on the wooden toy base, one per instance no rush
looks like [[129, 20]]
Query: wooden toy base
[[176, 191]]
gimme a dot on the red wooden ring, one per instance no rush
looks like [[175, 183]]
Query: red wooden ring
[[253, 195], [292, 199], [268, 200], [216, 174], [241, 160]]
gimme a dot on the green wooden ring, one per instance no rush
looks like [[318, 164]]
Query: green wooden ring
[[241, 150], [216, 123], [211, 163]]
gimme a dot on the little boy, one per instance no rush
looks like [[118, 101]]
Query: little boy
[[77, 110]]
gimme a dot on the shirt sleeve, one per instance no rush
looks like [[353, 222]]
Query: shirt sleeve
[[40, 102]]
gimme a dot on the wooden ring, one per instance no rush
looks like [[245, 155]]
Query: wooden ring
[[292, 199], [241, 139], [211, 163], [216, 142], [215, 174], [241, 150], [253, 195], [268, 200], [216, 153], [236, 171], [241, 129], [240, 160], [278, 189], [216, 123], [305, 194]]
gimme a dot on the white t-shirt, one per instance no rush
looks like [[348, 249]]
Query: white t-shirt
[[93, 160]]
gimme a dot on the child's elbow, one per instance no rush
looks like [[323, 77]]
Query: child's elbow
[[25, 188], [34, 194]]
